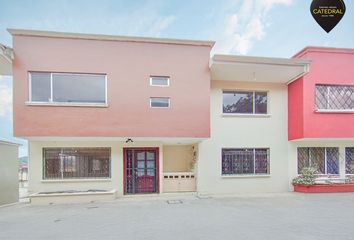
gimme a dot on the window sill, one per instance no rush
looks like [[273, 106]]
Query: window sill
[[246, 115], [334, 111], [57, 104], [247, 176], [77, 180]]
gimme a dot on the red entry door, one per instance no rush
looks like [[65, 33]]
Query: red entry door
[[141, 172]]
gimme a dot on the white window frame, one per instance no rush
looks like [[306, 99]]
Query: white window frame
[[169, 102], [325, 162], [158, 85], [53, 103], [254, 174], [253, 114], [327, 110]]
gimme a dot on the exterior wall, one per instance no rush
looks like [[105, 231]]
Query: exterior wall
[[37, 184], [239, 132], [292, 153], [328, 66], [9, 192], [177, 158], [128, 66]]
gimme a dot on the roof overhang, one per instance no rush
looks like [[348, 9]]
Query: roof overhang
[[6, 56], [257, 69]]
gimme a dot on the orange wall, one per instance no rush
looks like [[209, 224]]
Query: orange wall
[[128, 66]]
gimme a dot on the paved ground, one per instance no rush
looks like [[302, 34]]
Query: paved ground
[[270, 217]]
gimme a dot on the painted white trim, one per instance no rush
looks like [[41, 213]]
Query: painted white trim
[[247, 176], [334, 110], [246, 115], [77, 180], [52, 103], [66, 104], [157, 85]]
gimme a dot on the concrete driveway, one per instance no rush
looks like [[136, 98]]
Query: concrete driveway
[[281, 216]]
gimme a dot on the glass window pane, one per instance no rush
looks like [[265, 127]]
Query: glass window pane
[[150, 155], [261, 161], [159, 102], [237, 102], [302, 158], [332, 160], [79, 88], [261, 102], [159, 81], [150, 164], [140, 155], [40, 87], [321, 97], [317, 159], [76, 163], [349, 160]]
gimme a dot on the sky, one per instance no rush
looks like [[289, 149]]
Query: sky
[[271, 28]]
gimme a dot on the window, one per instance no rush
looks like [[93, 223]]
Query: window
[[245, 161], [325, 160], [67, 88], [159, 102], [349, 160], [71, 163], [334, 97], [245, 102], [159, 81]]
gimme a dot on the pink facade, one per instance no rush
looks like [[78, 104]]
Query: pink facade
[[328, 66], [128, 65]]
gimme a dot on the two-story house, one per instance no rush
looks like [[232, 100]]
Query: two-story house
[[110, 116]]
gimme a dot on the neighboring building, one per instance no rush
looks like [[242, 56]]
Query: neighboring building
[[136, 115], [8, 172]]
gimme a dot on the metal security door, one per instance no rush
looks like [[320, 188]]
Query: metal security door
[[141, 172]]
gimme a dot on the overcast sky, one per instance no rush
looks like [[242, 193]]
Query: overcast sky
[[273, 28]]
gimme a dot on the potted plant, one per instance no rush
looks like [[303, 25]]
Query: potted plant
[[306, 183], [307, 177]]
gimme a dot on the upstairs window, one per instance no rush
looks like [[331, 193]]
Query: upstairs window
[[325, 160], [159, 81], [334, 97], [245, 102], [67, 88], [159, 102]]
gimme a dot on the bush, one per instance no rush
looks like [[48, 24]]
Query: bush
[[307, 177]]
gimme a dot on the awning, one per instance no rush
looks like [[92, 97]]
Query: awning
[[257, 69], [6, 56]]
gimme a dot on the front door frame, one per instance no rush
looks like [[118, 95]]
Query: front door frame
[[157, 150]]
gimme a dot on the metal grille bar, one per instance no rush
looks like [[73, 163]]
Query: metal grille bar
[[334, 97]]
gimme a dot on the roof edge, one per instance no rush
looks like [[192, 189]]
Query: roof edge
[[259, 60], [322, 49], [102, 37]]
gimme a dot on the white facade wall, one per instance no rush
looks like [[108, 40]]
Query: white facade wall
[[245, 132], [37, 184], [9, 185]]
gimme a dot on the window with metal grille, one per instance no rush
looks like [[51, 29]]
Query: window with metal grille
[[47, 87], [245, 161], [71, 163], [245, 102], [334, 97], [349, 160], [324, 159]]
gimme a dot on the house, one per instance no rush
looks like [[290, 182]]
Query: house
[[9, 189], [110, 116]]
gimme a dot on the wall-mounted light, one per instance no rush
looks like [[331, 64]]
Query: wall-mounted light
[[129, 140]]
